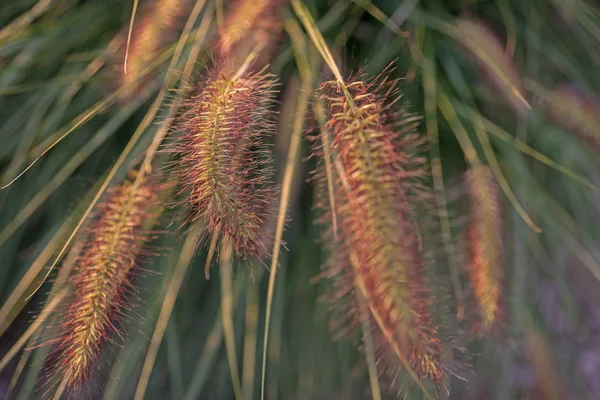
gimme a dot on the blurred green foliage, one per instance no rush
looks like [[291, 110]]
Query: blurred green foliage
[[57, 76]]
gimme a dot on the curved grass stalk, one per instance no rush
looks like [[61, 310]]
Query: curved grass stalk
[[324, 24], [32, 329], [59, 284], [71, 166], [212, 345], [320, 113], [429, 89], [569, 235], [12, 307], [449, 113], [92, 68], [226, 259], [494, 61], [23, 21], [375, 12], [250, 338], [168, 303], [510, 23], [60, 390], [484, 140], [54, 139], [131, 21], [506, 137], [288, 175], [28, 135], [75, 85], [61, 279], [369, 347]]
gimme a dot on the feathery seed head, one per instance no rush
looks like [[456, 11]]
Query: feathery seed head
[[495, 63], [101, 282], [485, 241], [148, 37], [377, 170], [250, 23], [570, 108], [224, 166]]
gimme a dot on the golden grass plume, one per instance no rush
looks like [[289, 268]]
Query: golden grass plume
[[222, 161], [248, 24], [570, 108], [153, 31], [102, 281], [492, 59], [376, 250], [486, 246]]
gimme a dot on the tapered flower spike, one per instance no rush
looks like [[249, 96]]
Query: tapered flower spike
[[569, 107], [101, 283], [249, 23], [156, 26], [492, 59], [222, 161], [377, 248], [485, 242]]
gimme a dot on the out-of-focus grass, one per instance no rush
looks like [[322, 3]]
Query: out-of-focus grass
[[57, 66]]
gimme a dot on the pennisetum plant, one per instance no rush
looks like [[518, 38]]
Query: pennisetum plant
[[376, 248], [486, 247], [374, 152], [222, 161], [102, 282], [384, 277]]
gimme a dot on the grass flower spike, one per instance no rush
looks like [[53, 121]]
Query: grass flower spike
[[149, 36], [491, 58], [569, 107], [223, 164], [485, 241], [101, 283], [249, 23], [377, 169]]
